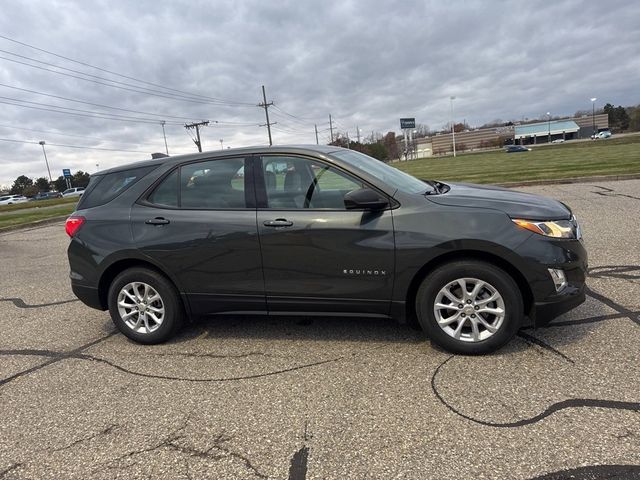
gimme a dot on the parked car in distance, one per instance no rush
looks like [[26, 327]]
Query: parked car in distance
[[558, 140], [325, 231], [46, 196], [73, 192], [11, 199], [516, 148], [601, 135]]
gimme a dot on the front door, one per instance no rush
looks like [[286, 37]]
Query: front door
[[317, 255], [199, 224]]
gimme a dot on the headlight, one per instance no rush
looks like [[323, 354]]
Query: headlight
[[552, 228]]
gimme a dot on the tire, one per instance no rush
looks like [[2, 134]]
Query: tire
[[149, 321], [452, 327]]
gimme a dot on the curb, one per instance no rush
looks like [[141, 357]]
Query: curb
[[39, 223], [560, 181]]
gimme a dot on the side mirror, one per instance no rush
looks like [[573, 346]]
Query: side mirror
[[365, 199]]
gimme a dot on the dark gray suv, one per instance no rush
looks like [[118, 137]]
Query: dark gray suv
[[320, 231]]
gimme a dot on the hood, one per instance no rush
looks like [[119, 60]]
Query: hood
[[515, 204]]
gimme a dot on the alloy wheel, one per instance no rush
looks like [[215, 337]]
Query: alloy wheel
[[469, 309], [141, 307]]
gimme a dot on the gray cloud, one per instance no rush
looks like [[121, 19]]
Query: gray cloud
[[366, 63]]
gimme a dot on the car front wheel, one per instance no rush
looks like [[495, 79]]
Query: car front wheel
[[469, 307], [145, 306]]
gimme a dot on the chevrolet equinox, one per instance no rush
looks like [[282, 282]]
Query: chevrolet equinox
[[320, 230]]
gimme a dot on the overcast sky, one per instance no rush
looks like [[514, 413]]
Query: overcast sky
[[367, 63]]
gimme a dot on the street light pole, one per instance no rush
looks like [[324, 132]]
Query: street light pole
[[453, 126], [549, 134], [221, 145], [45, 160], [593, 113]]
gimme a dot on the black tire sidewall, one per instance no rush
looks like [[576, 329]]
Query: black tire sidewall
[[172, 305], [497, 277]]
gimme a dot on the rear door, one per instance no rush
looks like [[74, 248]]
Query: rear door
[[318, 256], [199, 223]]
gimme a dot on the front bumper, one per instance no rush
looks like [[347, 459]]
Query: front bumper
[[544, 312], [541, 254]]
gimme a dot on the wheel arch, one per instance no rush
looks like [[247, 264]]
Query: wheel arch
[[113, 270], [508, 267]]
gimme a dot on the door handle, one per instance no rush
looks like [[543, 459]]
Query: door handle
[[157, 221], [278, 222]]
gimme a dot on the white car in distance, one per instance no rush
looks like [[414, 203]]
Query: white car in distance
[[11, 199], [73, 192]]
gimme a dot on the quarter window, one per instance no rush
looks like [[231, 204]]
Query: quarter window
[[166, 194]]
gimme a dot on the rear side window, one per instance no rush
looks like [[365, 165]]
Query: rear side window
[[104, 188]]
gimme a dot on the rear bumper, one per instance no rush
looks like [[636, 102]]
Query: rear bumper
[[88, 295]]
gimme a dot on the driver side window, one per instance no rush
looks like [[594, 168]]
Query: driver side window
[[299, 183]]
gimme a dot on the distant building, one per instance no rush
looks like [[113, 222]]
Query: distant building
[[528, 134], [565, 129]]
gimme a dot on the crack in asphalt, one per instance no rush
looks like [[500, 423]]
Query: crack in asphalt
[[20, 303], [581, 321], [215, 452], [550, 410], [594, 472], [78, 355], [530, 339], [9, 469], [622, 312], [616, 271], [609, 192], [54, 357], [633, 316], [105, 431]]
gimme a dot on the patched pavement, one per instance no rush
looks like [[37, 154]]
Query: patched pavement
[[296, 398]]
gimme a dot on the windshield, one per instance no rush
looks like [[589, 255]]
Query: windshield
[[389, 175]]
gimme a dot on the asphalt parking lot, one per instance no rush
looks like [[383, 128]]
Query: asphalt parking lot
[[295, 398]]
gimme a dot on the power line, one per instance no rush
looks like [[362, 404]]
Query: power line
[[136, 89], [117, 115], [94, 104], [292, 115], [107, 115], [51, 132], [71, 146], [121, 75]]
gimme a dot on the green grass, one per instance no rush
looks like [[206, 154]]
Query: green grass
[[39, 203], [614, 156], [29, 216]]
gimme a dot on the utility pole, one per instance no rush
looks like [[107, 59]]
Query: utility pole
[[358, 132], [331, 127], [266, 112], [348, 142], [316, 127], [197, 126], [165, 136]]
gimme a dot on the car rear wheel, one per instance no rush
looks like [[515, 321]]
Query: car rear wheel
[[145, 306], [469, 307]]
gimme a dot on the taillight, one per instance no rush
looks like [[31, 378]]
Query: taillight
[[73, 223]]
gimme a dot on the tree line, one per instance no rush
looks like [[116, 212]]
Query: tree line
[[29, 187]]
